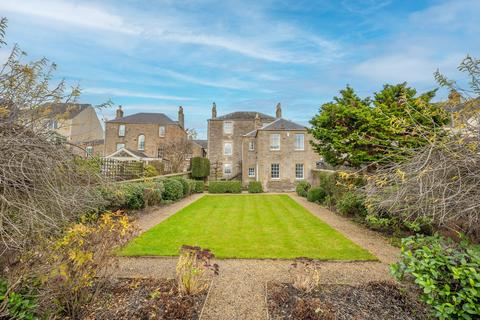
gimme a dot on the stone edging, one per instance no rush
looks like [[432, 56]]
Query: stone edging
[[206, 299]]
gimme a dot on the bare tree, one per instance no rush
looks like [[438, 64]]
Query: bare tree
[[42, 185], [176, 153]]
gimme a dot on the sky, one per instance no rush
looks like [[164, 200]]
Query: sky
[[153, 56]]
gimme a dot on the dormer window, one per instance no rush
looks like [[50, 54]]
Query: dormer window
[[121, 130], [228, 127], [161, 131], [141, 142]]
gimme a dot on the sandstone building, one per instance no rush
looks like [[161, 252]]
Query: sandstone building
[[142, 136], [252, 146]]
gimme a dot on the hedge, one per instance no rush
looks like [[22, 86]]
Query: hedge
[[302, 188], [199, 186], [316, 195], [173, 189], [200, 167], [255, 187], [186, 186], [225, 187]]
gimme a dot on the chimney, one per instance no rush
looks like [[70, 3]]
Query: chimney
[[181, 117], [119, 113], [214, 110], [278, 111], [258, 121]]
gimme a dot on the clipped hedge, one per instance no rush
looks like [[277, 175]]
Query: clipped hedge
[[316, 195], [225, 187], [186, 186], [199, 186], [302, 188], [255, 187], [173, 189], [200, 167]]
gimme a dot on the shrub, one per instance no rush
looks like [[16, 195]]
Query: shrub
[[305, 274], [255, 187], [302, 188], [316, 195], [17, 305], [185, 185], [173, 189], [200, 167], [378, 223], [447, 272], [153, 192], [225, 187], [192, 266], [328, 182], [150, 171], [199, 186], [80, 262], [352, 203], [133, 193]]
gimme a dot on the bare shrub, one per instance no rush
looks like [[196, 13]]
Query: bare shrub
[[192, 268], [305, 274]]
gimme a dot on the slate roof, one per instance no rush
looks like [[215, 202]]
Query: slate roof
[[278, 125], [145, 118], [137, 153], [245, 115], [66, 110], [202, 143]]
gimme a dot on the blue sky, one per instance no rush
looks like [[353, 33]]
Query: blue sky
[[152, 56]]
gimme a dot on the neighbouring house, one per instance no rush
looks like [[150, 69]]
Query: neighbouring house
[[79, 125], [145, 136], [252, 146], [199, 148], [225, 134]]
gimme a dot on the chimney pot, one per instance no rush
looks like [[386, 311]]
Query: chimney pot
[[181, 117], [214, 110]]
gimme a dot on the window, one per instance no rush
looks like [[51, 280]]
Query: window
[[227, 149], [275, 141], [141, 142], [299, 171], [228, 127], [299, 141], [227, 169], [120, 146], [121, 130], [53, 124], [251, 172], [161, 152], [275, 171], [161, 131], [251, 145], [89, 150]]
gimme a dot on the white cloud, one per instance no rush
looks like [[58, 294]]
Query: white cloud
[[225, 83], [80, 14], [135, 94]]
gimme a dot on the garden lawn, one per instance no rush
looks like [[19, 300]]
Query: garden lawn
[[247, 226]]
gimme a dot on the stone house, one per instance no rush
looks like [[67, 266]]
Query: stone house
[[79, 125], [144, 136], [256, 147], [225, 135]]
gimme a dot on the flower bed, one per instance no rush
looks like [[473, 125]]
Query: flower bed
[[374, 300], [145, 299]]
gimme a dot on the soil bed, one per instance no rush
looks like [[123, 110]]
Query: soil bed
[[144, 299], [374, 300]]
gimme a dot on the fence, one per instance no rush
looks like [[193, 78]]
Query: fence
[[165, 176], [117, 170]]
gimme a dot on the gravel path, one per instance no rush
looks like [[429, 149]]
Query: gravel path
[[239, 291]]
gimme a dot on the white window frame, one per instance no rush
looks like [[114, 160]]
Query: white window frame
[[302, 147], [271, 171], [225, 167], [228, 127], [141, 142], [225, 149], [161, 131], [89, 150], [121, 130], [272, 146], [303, 171], [120, 146], [251, 145], [251, 172]]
